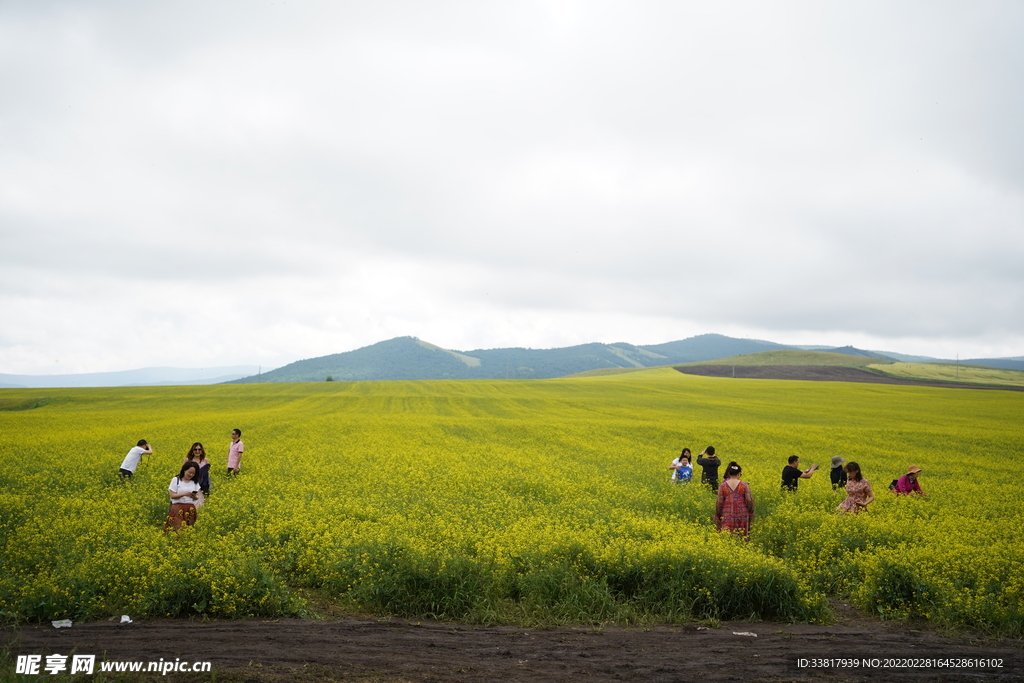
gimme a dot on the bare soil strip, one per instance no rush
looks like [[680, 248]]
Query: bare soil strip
[[820, 373], [389, 651]]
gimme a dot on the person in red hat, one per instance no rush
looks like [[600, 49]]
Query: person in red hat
[[908, 483]]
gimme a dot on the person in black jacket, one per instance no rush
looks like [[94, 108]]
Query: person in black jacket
[[710, 462], [838, 473]]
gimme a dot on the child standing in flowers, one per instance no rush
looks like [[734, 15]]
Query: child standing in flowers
[[734, 510], [858, 491], [184, 490], [681, 470]]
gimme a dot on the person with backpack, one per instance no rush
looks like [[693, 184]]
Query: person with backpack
[[184, 491]]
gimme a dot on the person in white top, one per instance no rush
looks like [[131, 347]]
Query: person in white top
[[131, 461], [681, 469], [184, 490]]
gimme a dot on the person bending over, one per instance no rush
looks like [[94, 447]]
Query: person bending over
[[132, 460], [908, 483]]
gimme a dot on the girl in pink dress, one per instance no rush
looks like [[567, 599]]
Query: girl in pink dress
[[735, 507], [858, 491]]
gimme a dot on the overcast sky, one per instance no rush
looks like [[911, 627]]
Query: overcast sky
[[198, 184]]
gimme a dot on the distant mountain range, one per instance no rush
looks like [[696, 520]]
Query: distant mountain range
[[127, 378], [410, 358]]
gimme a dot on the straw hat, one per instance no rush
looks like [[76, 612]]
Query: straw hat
[[913, 469], [837, 460]]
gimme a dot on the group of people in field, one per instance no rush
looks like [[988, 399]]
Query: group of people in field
[[734, 507], [190, 487]]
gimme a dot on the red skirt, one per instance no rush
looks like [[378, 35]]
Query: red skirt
[[180, 513]]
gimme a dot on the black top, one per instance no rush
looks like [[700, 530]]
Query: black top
[[204, 479], [790, 477], [838, 475], [710, 465]]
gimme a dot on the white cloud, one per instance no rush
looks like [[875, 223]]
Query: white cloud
[[535, 174]]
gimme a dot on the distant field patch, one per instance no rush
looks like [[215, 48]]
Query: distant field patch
[[601, 372], [793, 357], [949, 372], [24, 403]]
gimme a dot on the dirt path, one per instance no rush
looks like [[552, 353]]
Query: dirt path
[[390, 651]]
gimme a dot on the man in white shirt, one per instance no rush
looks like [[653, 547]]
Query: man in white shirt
[[131, 461]]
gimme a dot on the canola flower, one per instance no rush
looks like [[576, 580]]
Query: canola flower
[[532, 502]]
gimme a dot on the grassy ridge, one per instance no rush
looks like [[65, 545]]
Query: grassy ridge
[[949, 372], [791, 357], [519, 501], [934, 372]]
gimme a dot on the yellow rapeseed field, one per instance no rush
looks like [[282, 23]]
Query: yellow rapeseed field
[[532, 502]]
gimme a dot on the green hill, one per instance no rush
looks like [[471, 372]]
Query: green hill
[[412, 358], [399, 358], [409, 358]]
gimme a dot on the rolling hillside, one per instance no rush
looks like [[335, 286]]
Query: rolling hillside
[[412, 358], [409, 358]]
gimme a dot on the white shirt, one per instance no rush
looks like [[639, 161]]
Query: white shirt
[[181, 486], [131, 461]]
